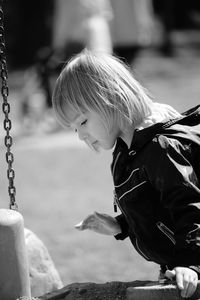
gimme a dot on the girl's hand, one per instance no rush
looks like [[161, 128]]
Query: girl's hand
[[101, 223], [186, 280]]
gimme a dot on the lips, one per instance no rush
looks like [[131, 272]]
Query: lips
[[92, 145], [96, 145]]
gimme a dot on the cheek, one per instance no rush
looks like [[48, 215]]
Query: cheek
[[113, 129], [100, 129], [106, 131], [113, 124]]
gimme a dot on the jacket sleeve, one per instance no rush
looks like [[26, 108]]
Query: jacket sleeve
[[124, 228], [169, 171], [196, 269]]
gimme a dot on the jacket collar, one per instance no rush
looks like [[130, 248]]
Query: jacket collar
[[141, 137]]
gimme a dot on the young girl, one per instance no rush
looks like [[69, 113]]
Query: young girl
[[156, 181]]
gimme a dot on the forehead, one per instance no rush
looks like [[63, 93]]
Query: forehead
[[70, 114], [73, 116]]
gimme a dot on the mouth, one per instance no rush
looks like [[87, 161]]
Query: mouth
[[93, 145]]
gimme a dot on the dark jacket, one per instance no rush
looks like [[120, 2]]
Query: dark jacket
[[157, 188]]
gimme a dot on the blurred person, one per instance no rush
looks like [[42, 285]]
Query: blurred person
[[84, 23], [155, 162], [133, 27], [33, 102]]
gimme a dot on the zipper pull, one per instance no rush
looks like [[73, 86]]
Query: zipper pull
[[115, 201]]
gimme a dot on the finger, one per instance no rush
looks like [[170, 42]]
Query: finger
[[179, 281], [79, 226], [186, 284], [92, 222], [103, 217], [85, 224], [100, 215], [170, 274]]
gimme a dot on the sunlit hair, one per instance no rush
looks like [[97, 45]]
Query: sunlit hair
[[104, 84]]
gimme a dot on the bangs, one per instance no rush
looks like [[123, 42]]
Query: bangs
[[80, 91], [99, 83], [63, 104]]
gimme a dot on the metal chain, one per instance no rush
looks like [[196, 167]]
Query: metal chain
[[6, 110]]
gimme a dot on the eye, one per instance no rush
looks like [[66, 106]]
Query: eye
[[83, 123]]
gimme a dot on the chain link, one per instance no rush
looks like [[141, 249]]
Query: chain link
[[6, 110]]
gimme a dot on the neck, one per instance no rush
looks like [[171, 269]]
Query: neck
[[157, 115], [127, 135]]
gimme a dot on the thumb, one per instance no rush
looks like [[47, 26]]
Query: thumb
[[103, 217], [170, 274], [100, 216], [79, 226]]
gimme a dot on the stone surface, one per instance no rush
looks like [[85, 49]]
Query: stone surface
[[153, 292], [136, 290], [90, 291], [156, 291], [44, 277]]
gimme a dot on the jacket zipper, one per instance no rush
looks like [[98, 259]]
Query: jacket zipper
[[115, 202], [118, 155], [168, 232], [136, 241]]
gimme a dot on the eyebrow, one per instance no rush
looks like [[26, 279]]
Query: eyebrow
[[78, 117]]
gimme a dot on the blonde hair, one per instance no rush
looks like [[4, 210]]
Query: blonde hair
[[104, 84]]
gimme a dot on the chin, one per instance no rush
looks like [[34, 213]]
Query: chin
[[107, 147]]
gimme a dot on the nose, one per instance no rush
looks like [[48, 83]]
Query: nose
[[81, 134]]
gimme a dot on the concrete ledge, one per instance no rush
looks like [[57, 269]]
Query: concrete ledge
[[136, 290], [156, 291], [153, 292]]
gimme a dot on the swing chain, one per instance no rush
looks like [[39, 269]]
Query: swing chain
[[6, 110]]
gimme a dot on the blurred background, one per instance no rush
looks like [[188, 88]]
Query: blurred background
[[160, 40]]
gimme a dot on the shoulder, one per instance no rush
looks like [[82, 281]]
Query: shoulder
[[172, 142]]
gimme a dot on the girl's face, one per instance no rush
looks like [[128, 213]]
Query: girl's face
[[92, 129]]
